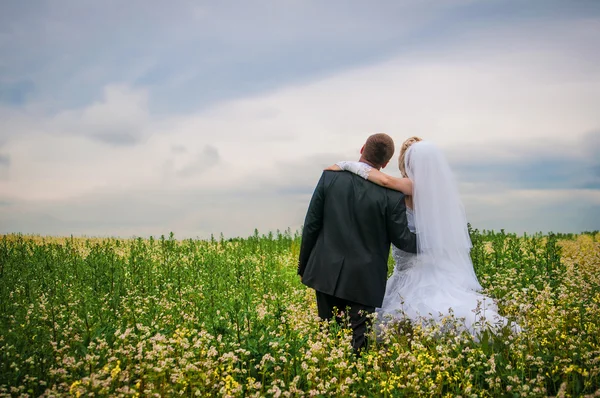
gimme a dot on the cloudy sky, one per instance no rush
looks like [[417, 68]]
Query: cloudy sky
[[142, 117]]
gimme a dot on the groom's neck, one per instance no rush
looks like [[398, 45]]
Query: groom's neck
[[363, 160]]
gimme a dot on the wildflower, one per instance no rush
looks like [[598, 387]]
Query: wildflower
[[74, 389], [116, 370]]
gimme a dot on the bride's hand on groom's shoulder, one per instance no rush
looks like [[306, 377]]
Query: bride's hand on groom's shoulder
[[333, 167]]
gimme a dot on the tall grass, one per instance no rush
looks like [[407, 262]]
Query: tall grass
[[231, 318]]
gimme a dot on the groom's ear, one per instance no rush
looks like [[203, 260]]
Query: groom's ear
[[362, 149], [385, 164]]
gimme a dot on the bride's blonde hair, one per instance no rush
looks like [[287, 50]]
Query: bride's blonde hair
[[401, 159]]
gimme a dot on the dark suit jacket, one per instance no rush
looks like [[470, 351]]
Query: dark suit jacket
[[346, 237]]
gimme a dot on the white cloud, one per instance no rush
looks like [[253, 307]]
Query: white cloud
[[119, 118], [534, 210], [474, 102]]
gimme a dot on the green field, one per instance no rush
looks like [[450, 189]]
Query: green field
[[217, 317]]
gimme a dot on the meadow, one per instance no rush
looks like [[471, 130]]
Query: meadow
[[229, 317]]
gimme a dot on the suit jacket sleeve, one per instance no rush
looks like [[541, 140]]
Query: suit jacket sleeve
[[400, 235], [312, 224]]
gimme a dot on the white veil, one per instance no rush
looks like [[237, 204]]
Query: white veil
[[443, 240]]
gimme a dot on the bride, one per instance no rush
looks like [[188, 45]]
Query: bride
[[439, 280]]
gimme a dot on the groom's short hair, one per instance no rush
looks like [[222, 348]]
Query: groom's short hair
[[379, 149]]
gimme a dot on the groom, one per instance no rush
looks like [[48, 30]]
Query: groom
[[346, 240]]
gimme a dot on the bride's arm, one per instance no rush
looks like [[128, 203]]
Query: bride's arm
[[403, 185]]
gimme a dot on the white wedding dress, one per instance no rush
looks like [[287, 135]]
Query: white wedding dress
[[424, 292], [439, 280]]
